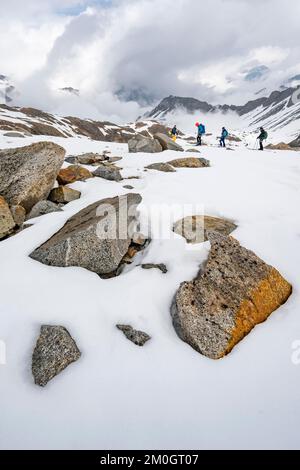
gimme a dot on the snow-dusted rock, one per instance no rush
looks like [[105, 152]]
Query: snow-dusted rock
[[167, 143], [7, 222], [161, 166], [190, 162], [86, 159], [235, 292], [162, 267], [43, 208], [54, 351], [140, 143], [28, 174], [137, 337], [72, 174], [64, 195], [96, 238], [108, 173], [194, 228]]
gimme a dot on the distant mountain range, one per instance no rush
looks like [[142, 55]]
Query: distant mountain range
[[274, 111]]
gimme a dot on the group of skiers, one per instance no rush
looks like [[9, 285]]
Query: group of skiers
[[224, 135]]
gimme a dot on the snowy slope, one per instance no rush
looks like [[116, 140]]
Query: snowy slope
[[165, 395]]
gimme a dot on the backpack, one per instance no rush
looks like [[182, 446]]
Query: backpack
[[201, 129], [264, 135], [225, 134]]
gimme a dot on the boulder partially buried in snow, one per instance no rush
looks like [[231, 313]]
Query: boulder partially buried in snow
[[96, 238], [190, 162], [140, 143], [54, 351], [43, 208], [167, 143], [27, 174], [7, 222], [109, 173], [194, 228], [161, 166], [235, 292], [64, 195]]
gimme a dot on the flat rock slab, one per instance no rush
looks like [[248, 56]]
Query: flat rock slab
[[194, 228], [64, 195], [190, 162], [27, 174], [72, 174], [96, 238], [235, 292], [167, 143], [7, 222], [139, 338], [54, 351], [160, 166], [86, 159]]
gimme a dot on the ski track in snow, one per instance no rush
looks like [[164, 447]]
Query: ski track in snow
[[165, 395]]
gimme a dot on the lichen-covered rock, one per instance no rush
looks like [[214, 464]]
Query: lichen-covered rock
[[54, 351], [27, 174], [43, 208], [160, 166], [96, 238], [19, 215], [7, 222], [235, 292], [167, 143], [190, 162], [109, 173], [72, 174], [137, 337], [194, 228], [64, 195], [139, 143]]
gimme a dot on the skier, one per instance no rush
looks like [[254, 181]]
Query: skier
[[174, 133], [262, 136], [224, 135], [201, 132]]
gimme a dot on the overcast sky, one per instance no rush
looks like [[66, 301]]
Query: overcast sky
[[119, 50]]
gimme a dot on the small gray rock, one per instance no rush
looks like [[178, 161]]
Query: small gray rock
[[162, 267], [43, 208], [108, 173], [127, 186], [137, 337], [54, 351]]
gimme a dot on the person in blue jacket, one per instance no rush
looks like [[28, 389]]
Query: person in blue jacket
[[201, 132], [223, 137]]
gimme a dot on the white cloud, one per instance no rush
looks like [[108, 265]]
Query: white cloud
[[152, 47]]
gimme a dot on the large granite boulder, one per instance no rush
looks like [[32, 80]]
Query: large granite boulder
[[167, 143], [7, 222], [139, 143], [194, 228], [54, 351], [190, 162], [96, 238], [28, 174], [235, 292]]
